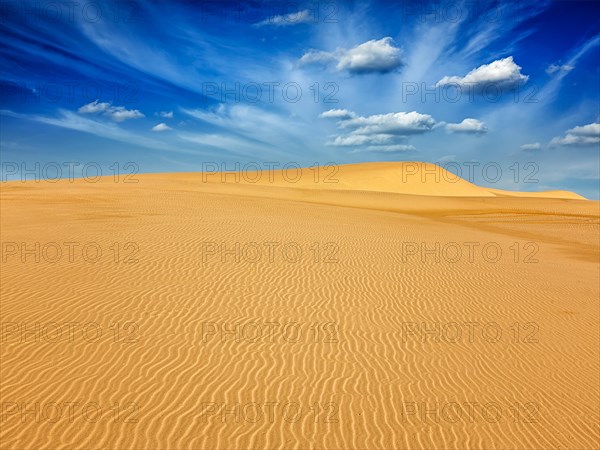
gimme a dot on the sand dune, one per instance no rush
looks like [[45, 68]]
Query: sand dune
[[368, 313], [543, 194], [415, 178]]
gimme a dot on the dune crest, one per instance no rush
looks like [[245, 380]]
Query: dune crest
[[411, 177]]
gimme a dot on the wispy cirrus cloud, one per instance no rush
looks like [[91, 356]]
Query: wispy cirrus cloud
[[550, 90], [558, 68], [107, 130], [263, 131], [532, 146], [286, 20]]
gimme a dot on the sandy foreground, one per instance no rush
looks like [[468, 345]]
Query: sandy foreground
[[182, 311]]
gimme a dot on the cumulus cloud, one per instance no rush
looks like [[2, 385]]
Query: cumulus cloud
[[554, 68], [384, 133], [399, 123], [94, 107], [318, 57], [591, 130], [579, 136], [374, 56], [337, 114], [295, 18], [116, 113], [502, 73], [533, 146], [469, 126], [120, 114], [161, 127], [166, 114], [361, 139]]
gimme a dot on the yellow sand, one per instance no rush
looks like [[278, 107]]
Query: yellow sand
[[187, 274]]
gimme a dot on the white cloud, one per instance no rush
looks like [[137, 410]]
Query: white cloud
[[166, 114], [379, 132], [533, 146], [116, 113], [337, 114], [469, 126], [94, 107], [374, 56], [161, 127], [579, 136], [589, 130], [554, 68], [120, 114], [362, 139], [318, 57], [400, 123], [502, 73], [303, 16]]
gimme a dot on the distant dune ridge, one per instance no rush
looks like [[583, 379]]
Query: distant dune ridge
[[417, 178], [419, 304]]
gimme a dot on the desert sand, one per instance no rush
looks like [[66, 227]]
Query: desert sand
[[373, 312]]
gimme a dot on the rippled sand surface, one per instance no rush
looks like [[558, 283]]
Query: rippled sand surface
[[186, 312]]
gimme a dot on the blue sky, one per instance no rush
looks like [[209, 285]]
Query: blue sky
[[170, 85]]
